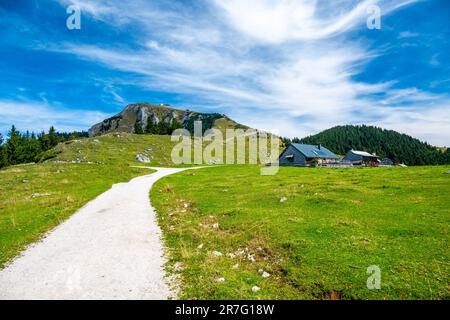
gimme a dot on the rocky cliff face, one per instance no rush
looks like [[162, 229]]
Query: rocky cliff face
[[140, 113]]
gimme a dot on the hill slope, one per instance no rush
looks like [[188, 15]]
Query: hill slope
[[140, 115], [385, 143]]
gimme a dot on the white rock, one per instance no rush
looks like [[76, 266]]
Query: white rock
[[186, 205], [220, 280], [36, 195], [217, 253], [142, 158], [251, 257], [265, 274], [283, 200], [215, 226], [232, 255], [256, 289], [200, 247], [236, 266]]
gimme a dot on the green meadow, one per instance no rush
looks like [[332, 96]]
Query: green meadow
[[228, 221], [228, 232], [36, 198]]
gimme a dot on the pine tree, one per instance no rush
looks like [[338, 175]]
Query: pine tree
[[151, 128], [138, 128], [44, 141], [52, 137], [13, 150], [175, 125], [2, 154]]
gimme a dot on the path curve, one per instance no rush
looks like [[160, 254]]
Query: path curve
[[109, 249]]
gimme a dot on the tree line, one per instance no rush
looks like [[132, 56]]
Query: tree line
[[30, 147], [160, 128], [398, 147]]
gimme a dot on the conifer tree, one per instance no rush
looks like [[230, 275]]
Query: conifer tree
[[138, 128]]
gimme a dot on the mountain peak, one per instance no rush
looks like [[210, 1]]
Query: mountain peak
[[143, 114]]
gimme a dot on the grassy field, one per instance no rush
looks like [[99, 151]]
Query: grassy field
[[317, 244], [122, 148], [81, 170], [118, 148], [36, 198]]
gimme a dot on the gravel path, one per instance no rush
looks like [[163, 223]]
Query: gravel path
[[109, 249]]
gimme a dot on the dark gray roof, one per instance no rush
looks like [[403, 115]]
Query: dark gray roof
[[313, 151]]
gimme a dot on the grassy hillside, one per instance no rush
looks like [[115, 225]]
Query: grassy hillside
[[122, 148], [117, 148], [385, 143], [36, 198], [316, 245], [81, 170]]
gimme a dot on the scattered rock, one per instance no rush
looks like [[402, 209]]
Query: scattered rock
[[215, 226], [96, 141], [60, 171], [36, 195], [25, 181], [217, 253], [283, 200], [231, 255], [186, 205], [220, 280], [251, 257], [200, 247], [256, 289], [236, 266], [241, 252], [302, 186], [142, 158], [265, 274]]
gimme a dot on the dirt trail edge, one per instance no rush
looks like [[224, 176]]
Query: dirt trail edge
[[109, 249]]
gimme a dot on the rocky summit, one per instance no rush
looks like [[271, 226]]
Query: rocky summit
[[141, 116]]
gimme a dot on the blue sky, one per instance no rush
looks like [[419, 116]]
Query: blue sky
[[289, 67]]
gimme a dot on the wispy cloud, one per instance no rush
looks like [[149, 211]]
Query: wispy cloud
[[38, 116], [286, 66], [408, 34]]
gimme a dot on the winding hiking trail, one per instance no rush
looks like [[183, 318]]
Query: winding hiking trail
[[109, 249]]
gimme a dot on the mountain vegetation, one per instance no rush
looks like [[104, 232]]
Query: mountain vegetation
[[141, 118], [401, 148], [30, 147], [306, 234]]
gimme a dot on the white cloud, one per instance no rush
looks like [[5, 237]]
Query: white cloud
[[278, 21], [408, 34], [266, 62], [38, 116]]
